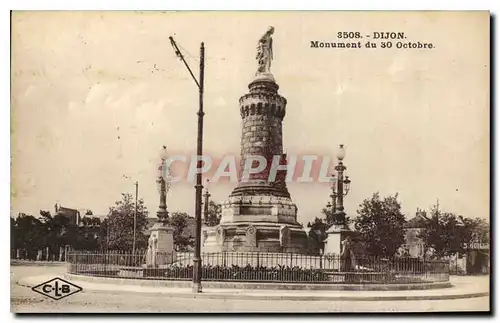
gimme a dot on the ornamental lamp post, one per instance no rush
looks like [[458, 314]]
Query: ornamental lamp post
[[340, 187]]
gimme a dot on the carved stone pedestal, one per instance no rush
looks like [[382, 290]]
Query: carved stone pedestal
[[160, 246], [255, 237], [335, 235]]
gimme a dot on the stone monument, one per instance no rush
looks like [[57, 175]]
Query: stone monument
[[161, 240], [259, 215]]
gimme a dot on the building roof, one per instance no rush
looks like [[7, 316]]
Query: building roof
[[417, 222], [72, 214], [67, 210]]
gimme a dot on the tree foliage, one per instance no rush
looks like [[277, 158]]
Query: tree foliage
[[212, 218], [51, 233], [58, 231], [27, 234], [120, 224], [380, 224], [87, 237], [442, 234], [446, 234], [182, 237], [475, 230], [332, 218], [317, 234]]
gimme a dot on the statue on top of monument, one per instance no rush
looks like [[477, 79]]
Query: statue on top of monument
[[265, 52], [163, 177]]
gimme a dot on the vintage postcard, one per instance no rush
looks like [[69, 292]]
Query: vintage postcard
[[217, 162]]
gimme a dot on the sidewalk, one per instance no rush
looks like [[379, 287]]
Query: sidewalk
[[23, 262], [464, 287]]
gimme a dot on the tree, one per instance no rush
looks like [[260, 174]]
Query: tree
[[85, 221], [317, 234], [443, 234], [475, 230], [120, 224], [13, 237], [88, 233], [380, 225], [29, 235], [52, 233], [89, 212], [214, 214], [182, 238], [57, 232], [95, 221], [90, 222], [103, 234]]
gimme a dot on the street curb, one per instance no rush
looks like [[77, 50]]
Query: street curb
[[259, 286], [239, 295], [37, 263]]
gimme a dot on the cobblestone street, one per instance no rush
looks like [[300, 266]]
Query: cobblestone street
[[24, 300]]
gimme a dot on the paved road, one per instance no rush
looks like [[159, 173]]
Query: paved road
[[24, 300]]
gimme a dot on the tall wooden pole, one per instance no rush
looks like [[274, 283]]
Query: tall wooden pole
[[199, 151], [135, 215]]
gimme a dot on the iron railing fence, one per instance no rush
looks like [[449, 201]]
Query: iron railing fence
[[258, 267]]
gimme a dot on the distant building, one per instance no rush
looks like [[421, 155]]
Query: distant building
[[72, 214], [414, 245]]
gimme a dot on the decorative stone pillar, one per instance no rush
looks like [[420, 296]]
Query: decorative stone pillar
[[161, 240], [335, 235]]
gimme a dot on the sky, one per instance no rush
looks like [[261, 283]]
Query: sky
[[95, 95]]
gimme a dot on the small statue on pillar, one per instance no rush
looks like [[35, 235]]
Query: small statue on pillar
[[151, 253], [347, 257]]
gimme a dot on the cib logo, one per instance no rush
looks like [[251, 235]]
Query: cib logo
[[57, 288]]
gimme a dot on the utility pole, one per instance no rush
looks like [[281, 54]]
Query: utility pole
[[135, 215], [437, 211], [199, 152]]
